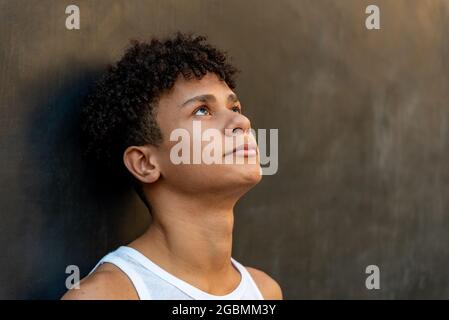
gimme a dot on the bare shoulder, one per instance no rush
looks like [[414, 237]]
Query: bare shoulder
[[269, 288], [107, 282]]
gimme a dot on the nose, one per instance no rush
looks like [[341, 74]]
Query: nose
[[239, 124]]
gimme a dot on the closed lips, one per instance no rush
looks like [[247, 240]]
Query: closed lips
[[251, 148]]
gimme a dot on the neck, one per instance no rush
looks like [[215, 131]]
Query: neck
[[190, 236]]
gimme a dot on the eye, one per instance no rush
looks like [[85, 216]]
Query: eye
[[236, 109], [202, 111]]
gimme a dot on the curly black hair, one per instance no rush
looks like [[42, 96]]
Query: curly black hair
[[121, 109]]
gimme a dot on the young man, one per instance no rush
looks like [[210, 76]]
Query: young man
[[154, 90]]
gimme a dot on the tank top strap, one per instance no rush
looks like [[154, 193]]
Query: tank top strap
[[130, 272], [247, 276]]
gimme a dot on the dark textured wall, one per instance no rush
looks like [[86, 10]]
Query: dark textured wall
[[363, 123]]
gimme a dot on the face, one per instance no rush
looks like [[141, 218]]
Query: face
[[211, 116]]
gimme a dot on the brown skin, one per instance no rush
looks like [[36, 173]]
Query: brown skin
[[193, 202]]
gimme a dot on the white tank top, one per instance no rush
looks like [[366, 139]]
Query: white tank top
[[154, 283]]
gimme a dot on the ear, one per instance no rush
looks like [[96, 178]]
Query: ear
[[141, 162]]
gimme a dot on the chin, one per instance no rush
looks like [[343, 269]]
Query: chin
[[248, 174], [235, 178]]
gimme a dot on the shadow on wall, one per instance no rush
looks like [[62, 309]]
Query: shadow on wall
[[76, 209]]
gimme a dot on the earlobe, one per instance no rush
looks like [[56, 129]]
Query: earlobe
[[141, 162]]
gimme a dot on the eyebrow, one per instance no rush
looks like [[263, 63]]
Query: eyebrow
[[209, 98]]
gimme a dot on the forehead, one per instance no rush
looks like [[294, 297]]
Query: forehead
[[187, 88]]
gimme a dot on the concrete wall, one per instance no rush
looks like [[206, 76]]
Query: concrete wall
[[363, 121]]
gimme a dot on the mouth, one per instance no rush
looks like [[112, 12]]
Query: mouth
[[244, 150]]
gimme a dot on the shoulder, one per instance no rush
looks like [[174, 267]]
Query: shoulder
[[269, 288], [107, 282]]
